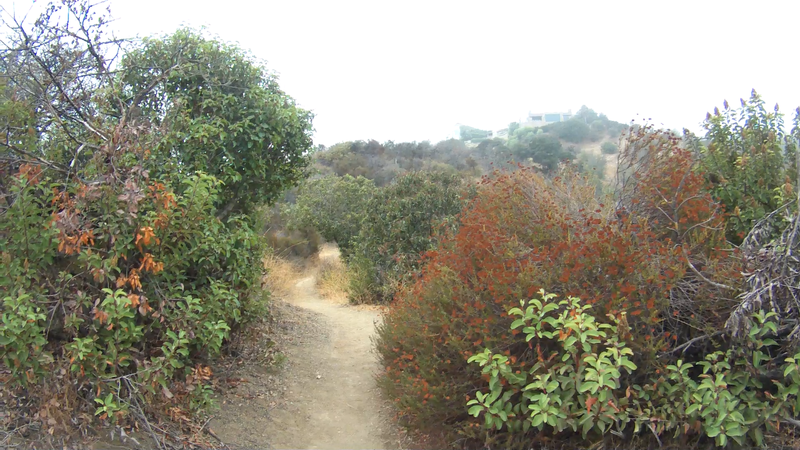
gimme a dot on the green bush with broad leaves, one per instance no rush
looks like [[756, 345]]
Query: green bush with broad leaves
[[139, 302], [22, 339], [567, 387], [128, 248], [223, 114], [582, 382]]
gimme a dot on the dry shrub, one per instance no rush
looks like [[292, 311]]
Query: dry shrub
[[281, 274], [333, 277], [296, 244], [44, 414]]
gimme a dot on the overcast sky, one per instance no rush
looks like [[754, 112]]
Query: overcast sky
[[411, 70]]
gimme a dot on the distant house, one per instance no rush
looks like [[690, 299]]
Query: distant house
[[545, 118], [532, 120]]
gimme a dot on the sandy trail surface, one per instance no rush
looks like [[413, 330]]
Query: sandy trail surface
[[327, 397]]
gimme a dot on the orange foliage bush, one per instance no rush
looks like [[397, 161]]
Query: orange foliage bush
[[523, 233]]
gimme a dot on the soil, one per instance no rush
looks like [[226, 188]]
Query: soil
[[324, 396]]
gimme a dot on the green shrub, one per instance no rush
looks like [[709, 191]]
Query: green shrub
[[592, 164], [573, 130], [543, 149], [609, 148], [579, 382], [521, 233], [568, 387], [343, 159], [400, 224], [219, 99], [124, 263], [750, 162], [151, 294], [23, 339], [383, 162], [333, 206], [587, 115]]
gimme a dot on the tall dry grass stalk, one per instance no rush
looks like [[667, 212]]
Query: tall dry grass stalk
[[281, 275], [332, 276]]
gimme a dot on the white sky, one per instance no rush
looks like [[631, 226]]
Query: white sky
[[411, 70]]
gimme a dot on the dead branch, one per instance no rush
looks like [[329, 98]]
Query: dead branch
[[703, 277]]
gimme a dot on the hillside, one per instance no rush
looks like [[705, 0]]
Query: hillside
[[580, 140], [182, 268]]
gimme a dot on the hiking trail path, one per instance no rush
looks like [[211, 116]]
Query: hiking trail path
[[328, 396]]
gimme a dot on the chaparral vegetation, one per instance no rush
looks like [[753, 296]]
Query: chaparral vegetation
[[582, 284], [130, 178]]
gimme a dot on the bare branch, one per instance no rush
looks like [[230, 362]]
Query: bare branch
[[39, 160], [703, 277]]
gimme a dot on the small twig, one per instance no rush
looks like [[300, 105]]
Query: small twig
[[10, 433], [697, 272], [653, 429], [791, 421], [143, 418], [214, 435], [204, 424], [685, 346]]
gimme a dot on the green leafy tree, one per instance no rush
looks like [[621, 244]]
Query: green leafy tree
[[609, 148], [400, 224], [117, 270], [343, 159], [521, 136], [586, 114], [573, 130], [543, 149], [334, 206], [222, 113], [452, 152], [471, 133]]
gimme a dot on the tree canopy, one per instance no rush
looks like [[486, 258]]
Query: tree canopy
[[222, 113], [544, 149]]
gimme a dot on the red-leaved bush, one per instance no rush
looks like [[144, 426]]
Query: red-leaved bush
[[524, 232]]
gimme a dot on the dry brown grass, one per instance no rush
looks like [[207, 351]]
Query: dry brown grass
[[281, 275], [332, 275]]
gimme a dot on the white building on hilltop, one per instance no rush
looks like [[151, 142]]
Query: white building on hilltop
[[542, 119], [531, 120]]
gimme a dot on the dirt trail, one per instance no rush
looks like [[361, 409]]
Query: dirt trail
[[329, 399]]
